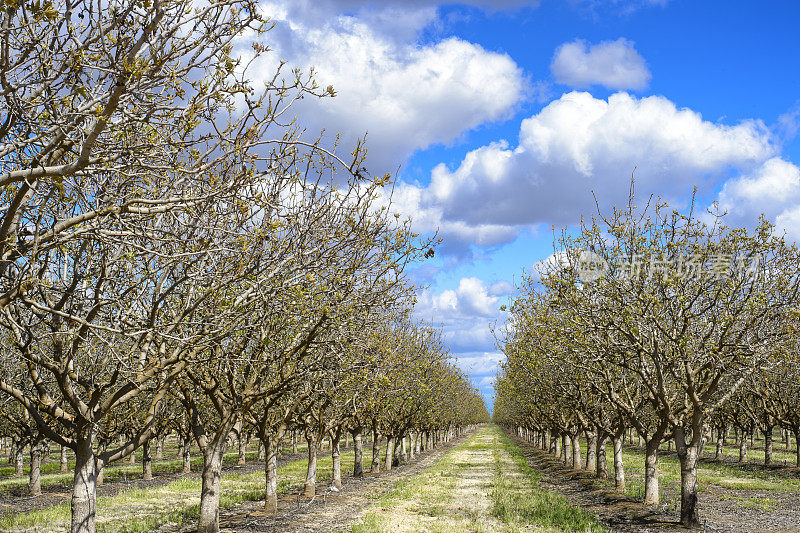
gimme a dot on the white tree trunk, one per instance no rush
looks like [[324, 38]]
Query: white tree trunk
[[310, 485]]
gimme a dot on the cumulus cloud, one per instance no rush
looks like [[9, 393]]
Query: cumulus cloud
[[387, 84], [789, 123], [466, 313], [480, 363], [471, 298], [773, 189], [576, 146], [501, 288], [612, 64]]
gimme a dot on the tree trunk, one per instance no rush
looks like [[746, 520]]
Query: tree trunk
[[743, 448], [242, 450], [358, 454], [294, 442], [160, 448], [687, 455], [208, 522], [768, 446], [35, 478], [619, 468], [336, 462], [390, 442], [651, 494], [564, 448], [84, 489], [412, 440], [718, 450], [591, 451], [376, 452], [602, 464], [576, 452], [187, 457], [271, 476], [18, 459], [310, 486], [63, 460], [147, 461], [261, 456], [403, 449]]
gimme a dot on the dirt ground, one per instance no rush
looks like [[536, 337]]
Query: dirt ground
[[723, 510]]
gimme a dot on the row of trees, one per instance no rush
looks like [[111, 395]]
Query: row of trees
[[171, 241], [400, 385], [658, 321]]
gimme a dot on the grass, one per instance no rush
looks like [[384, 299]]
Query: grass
[[119, 471], [727, 476], [146, 509], [516, 499], [712, 475], [517, 504], [426, 493]]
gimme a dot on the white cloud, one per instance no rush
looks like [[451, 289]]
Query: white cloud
[[612, 64], [789, 221], [623, 6], [579, 145], [472, 298], [480, 363], [487, 382], [773, 189], [789, 123], [466, 313], [407, 96], [500, 288]]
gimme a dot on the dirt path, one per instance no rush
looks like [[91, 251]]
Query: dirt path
[[452, 495], [476, 487]]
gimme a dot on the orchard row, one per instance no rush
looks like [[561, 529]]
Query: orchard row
[[595, 350], [178, 256]]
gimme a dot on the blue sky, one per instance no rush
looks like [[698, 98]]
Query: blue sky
[[503, 116]]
